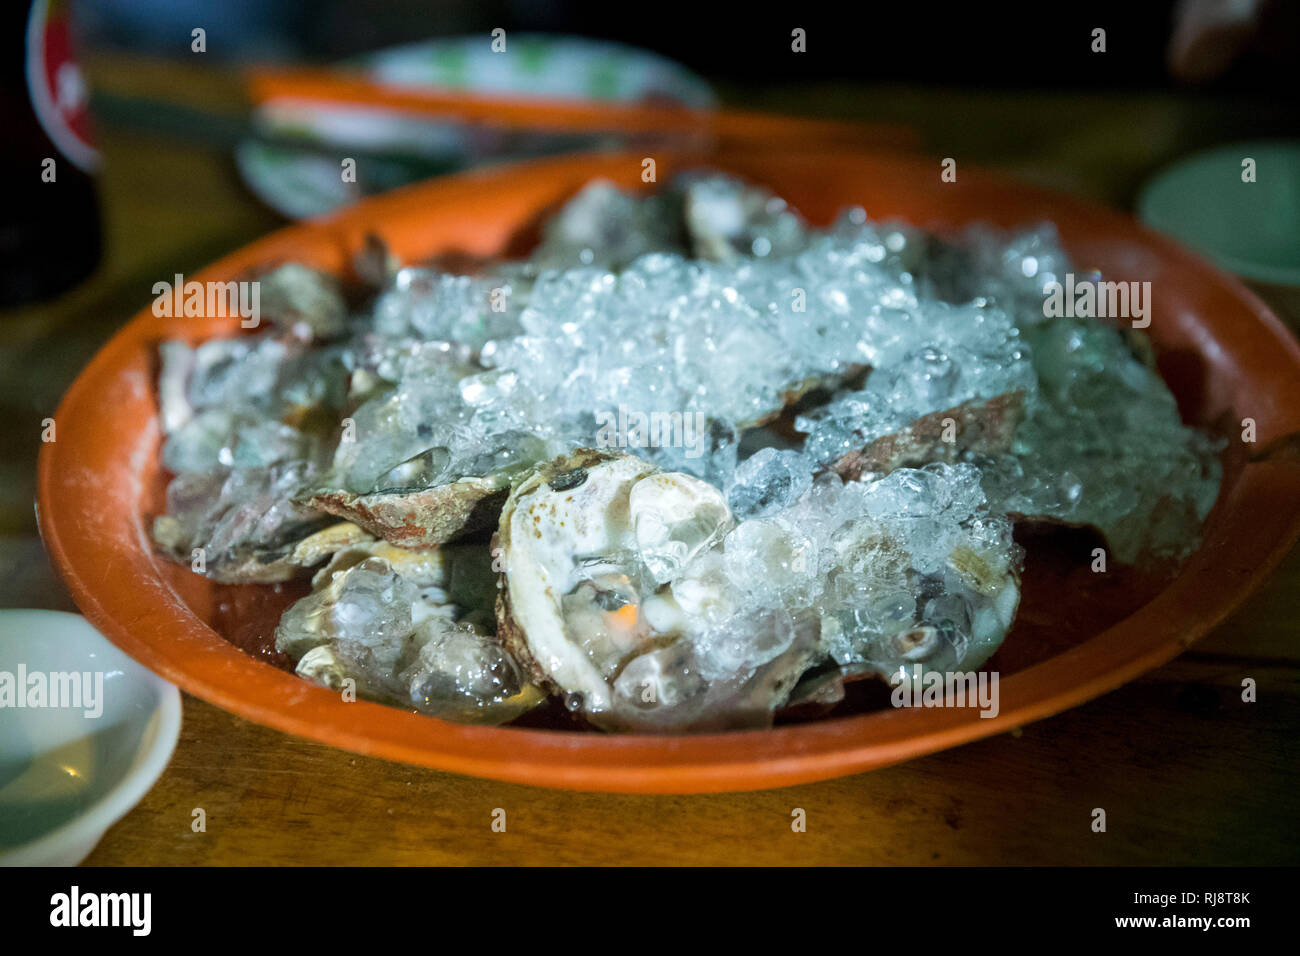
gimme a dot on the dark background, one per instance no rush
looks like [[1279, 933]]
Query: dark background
[[1044, 45]]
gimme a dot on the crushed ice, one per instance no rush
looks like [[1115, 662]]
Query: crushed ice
[[714, 299]]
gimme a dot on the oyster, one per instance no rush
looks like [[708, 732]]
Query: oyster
[[957, 611], [980, 426], [610, 600], [712, 216], [375, 263], [289, 562], [728, 219], [409, 628], [421, 519], [244, 524], [247, 424], [267, 377], [412, 464], [910, 568], [604, 226], [1103, 446], [302, 301]]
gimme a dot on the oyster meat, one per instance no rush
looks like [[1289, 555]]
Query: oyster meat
[[608, 603], [410, 628]]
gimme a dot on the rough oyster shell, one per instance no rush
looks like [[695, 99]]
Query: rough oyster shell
[[267, 567], [397, 625], [591, 546], [982, 426], [421, 519]]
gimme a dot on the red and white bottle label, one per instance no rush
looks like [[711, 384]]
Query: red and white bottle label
[[56, 84]]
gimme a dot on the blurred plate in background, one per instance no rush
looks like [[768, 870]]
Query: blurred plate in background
[[1245, 218], [293, 163]]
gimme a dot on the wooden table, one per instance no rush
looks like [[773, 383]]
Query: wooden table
[[1186, 771]]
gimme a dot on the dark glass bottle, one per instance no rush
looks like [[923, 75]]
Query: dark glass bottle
[[49, 216]]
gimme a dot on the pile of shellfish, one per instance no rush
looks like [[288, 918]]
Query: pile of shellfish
[[690, 466]]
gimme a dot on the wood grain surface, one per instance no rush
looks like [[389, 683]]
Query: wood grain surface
[[1186, 771]]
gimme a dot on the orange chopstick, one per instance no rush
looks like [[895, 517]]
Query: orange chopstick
[[730, 127]]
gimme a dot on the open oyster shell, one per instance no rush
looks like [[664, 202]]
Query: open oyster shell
[[408, 628], [607, 597]]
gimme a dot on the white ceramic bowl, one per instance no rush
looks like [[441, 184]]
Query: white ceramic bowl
[[69, 772]]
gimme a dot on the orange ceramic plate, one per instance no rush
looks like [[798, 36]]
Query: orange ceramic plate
[[100, 480]]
